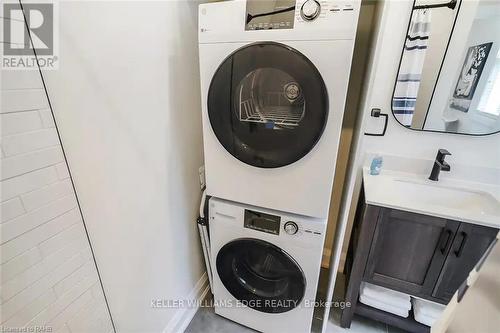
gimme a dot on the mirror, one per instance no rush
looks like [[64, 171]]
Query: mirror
[[449, 72]]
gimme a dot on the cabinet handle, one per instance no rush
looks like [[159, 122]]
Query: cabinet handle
[[458, 252], [446, 241]]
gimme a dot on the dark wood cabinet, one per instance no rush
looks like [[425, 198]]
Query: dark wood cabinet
[[408, 251], [470, 243], [423, 256]]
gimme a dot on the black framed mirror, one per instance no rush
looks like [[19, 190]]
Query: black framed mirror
[[449, 73]]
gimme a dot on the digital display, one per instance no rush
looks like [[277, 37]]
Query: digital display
[[262, 222], [270, 14]]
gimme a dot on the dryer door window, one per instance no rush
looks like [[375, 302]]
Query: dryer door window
[[267, 105], [261, 275]]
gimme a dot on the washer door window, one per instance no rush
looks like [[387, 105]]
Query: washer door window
[[267, 105], [261, 275]]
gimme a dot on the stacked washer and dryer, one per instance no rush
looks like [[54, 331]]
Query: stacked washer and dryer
[[274, 77]]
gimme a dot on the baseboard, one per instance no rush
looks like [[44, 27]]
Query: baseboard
[[183, 317]]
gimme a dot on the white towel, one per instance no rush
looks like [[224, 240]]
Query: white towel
[[423, 318], [427, 308], [385, 295], [384, 307]]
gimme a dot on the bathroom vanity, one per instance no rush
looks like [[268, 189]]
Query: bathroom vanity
[[416, 236]]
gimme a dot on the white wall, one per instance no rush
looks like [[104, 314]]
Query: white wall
[[48, 276], [127, 102]]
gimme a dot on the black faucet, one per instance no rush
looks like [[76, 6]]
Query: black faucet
[[439, 164]]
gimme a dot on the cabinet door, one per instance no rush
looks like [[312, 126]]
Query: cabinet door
[[469, 245], [408, 251]]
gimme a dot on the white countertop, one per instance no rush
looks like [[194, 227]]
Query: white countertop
[[475, 201]]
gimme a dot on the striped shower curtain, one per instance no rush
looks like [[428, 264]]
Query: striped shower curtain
[[412, 63]]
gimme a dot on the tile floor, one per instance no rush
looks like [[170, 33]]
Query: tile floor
[[206, 321]]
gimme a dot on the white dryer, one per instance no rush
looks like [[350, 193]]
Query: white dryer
[[274, 78], [266, 266]]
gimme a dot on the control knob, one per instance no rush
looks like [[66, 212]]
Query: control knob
[[310, 10], [291, 228]]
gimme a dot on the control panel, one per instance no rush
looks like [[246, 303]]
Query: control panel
[[262, 222], [280, 20], [270, 224], [282, 14], [267, 15], [312, 10]]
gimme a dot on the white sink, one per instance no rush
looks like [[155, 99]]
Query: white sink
[[451, 199], [436, 194]]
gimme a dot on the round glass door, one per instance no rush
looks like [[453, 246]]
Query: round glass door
[[261, 275], [267, 105]]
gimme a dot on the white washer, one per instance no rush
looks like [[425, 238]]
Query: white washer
[[274, 77], [266, 266]]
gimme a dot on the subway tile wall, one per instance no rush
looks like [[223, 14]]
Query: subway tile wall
[[48, 277]]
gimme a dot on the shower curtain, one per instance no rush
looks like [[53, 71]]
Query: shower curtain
[[412, 63]]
